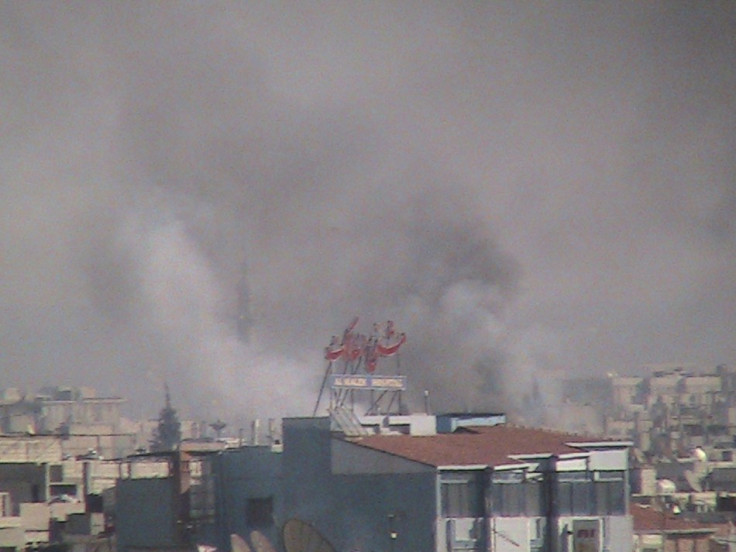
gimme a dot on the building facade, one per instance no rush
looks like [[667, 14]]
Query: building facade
[[476, 489]]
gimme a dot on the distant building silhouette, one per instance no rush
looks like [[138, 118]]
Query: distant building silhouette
[[168, 433]]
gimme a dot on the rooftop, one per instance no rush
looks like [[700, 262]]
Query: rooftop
[[650, 520], [491, 446]]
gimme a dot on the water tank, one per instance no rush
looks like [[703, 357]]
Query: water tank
[[666, 487], [699, 454]]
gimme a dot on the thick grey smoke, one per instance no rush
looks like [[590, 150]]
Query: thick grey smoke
[[529, 191]]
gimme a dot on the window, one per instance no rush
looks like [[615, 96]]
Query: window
[[517, 493], [537, 528], [462, 494], [507, 493], [574, 493], [583, 493], [259, 512], [56, 474], [535, 500], [610, 493]]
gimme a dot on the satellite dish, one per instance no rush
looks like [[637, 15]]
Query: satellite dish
[[300, 536], [237, 544], [260, 542], [696, 484]]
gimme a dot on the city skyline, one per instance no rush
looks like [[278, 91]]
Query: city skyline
[[530, 192]]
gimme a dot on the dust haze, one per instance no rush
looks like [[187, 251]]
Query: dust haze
[[530, 191]]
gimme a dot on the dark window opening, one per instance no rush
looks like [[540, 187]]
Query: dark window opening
[[581, 493], [610, 493], [462, 495], [574, 493], [517, 494], [259, 512], [55, 474]]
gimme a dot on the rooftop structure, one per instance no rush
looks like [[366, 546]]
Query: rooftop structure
[[351, 375], [658, 529], [480, 446], [487, 487], [666, 410]]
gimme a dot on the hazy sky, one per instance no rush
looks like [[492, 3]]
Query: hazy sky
[[529, 190]]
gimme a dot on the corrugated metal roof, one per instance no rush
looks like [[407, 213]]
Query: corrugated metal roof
[[492, 446]]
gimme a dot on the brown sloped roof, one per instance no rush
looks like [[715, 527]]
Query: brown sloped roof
[[490, 446], [651, 520]]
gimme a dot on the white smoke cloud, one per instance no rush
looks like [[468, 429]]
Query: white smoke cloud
[[527, 191]]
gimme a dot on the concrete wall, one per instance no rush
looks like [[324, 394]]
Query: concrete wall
[[35, 519], [81, 411], [11, 534], [145, 515], [101, 438], [354, 511], [241, 475], [85, 524], [510, 534], [17, 418], [35, 449], [619, 533], [63, 510]]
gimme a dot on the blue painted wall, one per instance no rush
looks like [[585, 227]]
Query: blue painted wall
[[144, 513], [242, 474], [354, 512]]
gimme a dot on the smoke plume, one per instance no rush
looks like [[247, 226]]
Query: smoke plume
[[528, 191]]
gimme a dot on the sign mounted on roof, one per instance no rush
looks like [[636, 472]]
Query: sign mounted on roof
[[365, 350], [370, 381]]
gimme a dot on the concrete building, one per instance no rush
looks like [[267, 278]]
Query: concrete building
[[25, 489], [657, 530], [12, 535], [389, 483], [90, 425], [665, 410], [248, 494], [478, 488], [183, 499], [45, 496], [163, 501], [61, 406]]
